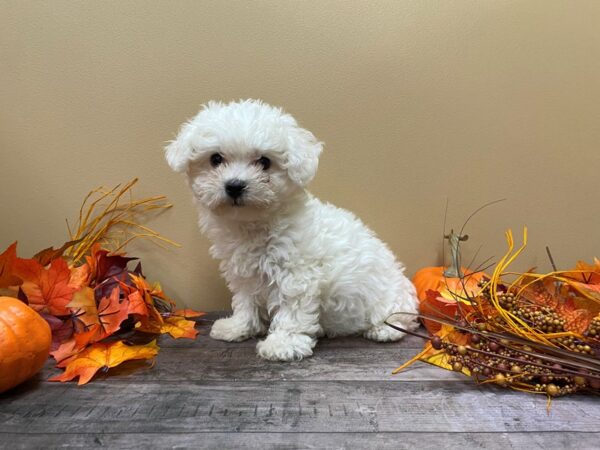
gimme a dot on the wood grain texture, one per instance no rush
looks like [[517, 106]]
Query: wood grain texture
[[291, 406], [208, 394], [242, 364], [267, 441]]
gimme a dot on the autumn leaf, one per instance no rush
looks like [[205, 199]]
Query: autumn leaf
[[48, 290], [104, 272], [436, 305], [585, 273], [590, 291], [451, 334], [83, 309], [137, 305], [77, 342], [104, 265], [187, 313], [109, 271], [576, 319], [7, 259], [62, 330], [80, 276], [45, 256], [437, 357], [66, 350], [111, 312], [140, 283], [153, 321], [178, 327], [84, 338], [103, 356]]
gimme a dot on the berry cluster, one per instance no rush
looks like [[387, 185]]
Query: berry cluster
[[593, 330], [508, 364]]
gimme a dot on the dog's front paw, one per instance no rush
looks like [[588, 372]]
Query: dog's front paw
[[281, 346], [231, 330]]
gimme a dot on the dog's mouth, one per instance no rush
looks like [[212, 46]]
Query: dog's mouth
[[237, 203]]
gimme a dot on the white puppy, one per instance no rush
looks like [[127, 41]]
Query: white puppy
[[309, 268]]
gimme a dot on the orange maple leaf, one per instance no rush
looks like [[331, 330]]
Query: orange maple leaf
[[187, 313], [438, 357], [103, 356], [137, 305], [68, 349], [111, 312], [7, 259], [179, 327], [139, 282], [590, 291], [80, 276], [65, 350], [153, 322], [48, 290], [577, 319], [83, 309], [585, 273]]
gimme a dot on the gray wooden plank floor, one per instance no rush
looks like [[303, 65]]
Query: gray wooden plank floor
[[210, 394]]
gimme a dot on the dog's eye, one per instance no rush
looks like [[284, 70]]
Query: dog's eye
[[216, 159], [264, 162]]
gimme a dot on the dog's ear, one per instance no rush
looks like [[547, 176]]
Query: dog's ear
[[194, 139], [177, 155], [302, 155], [179, 151]]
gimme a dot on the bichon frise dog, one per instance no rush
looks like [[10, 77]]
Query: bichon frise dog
[[300, 267]]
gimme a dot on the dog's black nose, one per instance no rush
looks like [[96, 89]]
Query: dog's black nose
[[235, 188]]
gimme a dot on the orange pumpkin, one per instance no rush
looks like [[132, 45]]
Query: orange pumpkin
[[438, 288], [25, 339], [433, 278], [437, 292]]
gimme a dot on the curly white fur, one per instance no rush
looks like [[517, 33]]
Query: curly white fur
[[302, 267]]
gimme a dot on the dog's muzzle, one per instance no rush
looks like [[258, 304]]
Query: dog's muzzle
[[235, 188]]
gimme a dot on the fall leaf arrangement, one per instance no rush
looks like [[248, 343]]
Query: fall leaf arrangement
[[101, 312], [537, 333]]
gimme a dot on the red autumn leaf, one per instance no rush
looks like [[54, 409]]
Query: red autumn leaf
[[103, 356], [107, 266], [178, 327], [48, 290], [7, 259]]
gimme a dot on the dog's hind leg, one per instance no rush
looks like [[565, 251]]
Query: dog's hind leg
[[383, 333]]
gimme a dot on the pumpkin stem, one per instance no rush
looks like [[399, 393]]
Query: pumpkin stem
[[453, 270]]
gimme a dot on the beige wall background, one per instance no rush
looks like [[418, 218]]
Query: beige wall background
[[417, 102]]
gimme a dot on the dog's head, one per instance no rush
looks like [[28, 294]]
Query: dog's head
[[244, 156]]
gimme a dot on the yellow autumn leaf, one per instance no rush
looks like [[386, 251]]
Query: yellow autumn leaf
[[179, 327], [104, 356]]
